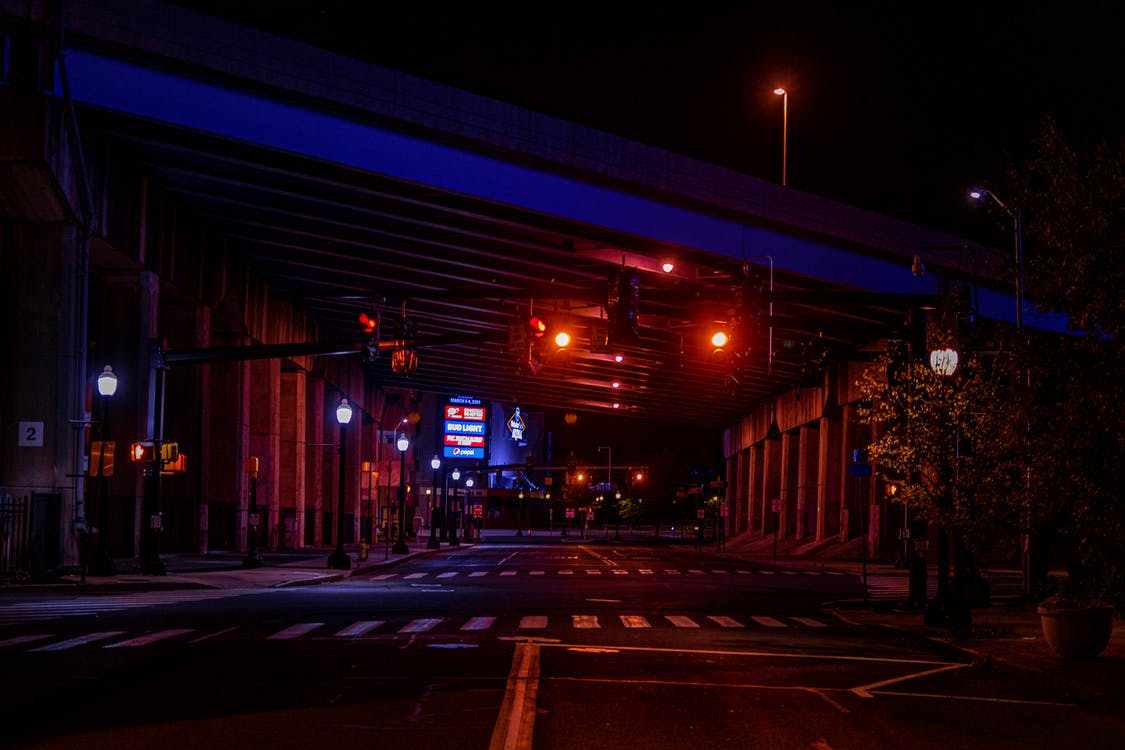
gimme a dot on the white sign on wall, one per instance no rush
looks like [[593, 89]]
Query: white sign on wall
[[31, 435]]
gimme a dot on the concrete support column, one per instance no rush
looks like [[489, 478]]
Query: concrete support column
[[358, 437], [741, 510], [788, 470], [293, 459], [148, 329], [771, 481], [849, 505], [202, 469], [829, 472], [228, 485], [755, 489], [314, 461], [265, 443], [808, 441]]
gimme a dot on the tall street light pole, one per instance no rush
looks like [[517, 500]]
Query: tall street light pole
[[339, 559], [609, 488], [784, 132], [403, 444], [102, 564], [450, 521], [435, 464]]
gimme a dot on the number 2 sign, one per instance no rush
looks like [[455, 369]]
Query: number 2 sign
[[31, 435]]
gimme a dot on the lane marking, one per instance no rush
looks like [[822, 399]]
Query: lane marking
[[383, 576], [421, 625], [294, 631], [479, 623], [681, 622], [609, 563], [721, 572], [19, 639], [982, 699], [79, 641], [645, 572], [447, 574], [414, 576], [696, 571], [726, 622], [672, 572], [634, 621], [593, 572], [566, 572], [810, 622], [767, 655], [538, 572], [359, 628], [533, 621], [208, 636], [508, 572], [620, 572], [768, 622], [478, 573], [583, 622], [144, 640], [864, 691], [516, 723]]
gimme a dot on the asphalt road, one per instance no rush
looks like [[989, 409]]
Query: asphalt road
[[507, 646]]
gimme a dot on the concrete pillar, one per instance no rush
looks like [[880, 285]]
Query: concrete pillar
[[808, 442], [755, 489], [228, 486], [849, 505], [265, 443], [293, 460], [148, 329], [771, 481], [742, 510], [788, 478], [829, 471], [357, 441]]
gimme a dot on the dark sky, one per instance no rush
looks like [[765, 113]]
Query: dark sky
[[896, 107]]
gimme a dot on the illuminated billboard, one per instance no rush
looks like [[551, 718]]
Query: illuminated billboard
[[465, 429]]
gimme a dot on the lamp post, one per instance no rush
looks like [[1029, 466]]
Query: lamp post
[[339, 559], [609, 488], [403, 444], [466, 517], [435, 464], [784, 131], [102, 564], [453, 515]]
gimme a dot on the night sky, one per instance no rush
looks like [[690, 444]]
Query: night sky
[[895, 107]]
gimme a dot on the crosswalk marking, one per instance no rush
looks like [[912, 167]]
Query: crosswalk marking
[[566, 572], [81, 640], [533, 621], [21, 639], [767, 572], [726, 622], [768, 622], [294, 631], [94, 605], [583, 622], [479, 623], [620, 572], [414, 576], [508, 572], [790, 573], [538, 572], [478, 573], [634, 621], [144, 640], [721, 572], [383, 576], [421, 625], [810, 622], [593, 572], [672, 572], [615, 571], [696, 571], [681, 621], [447, 574], [743, 572], [645, 572], [359, 628]]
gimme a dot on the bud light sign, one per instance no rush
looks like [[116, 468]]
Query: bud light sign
[[465, 430]]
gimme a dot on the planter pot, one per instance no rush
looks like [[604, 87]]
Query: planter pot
[[1079, 632]]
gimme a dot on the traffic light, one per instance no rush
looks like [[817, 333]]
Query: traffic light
[[370, 323], [719, 341], [622, 304], [143, 451], [169, 452]]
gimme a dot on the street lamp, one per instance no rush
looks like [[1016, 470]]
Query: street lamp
[[403, 444], [450, 520], [435, 464], [784, 131], [465, 518], [609, 488], [102, 564], [339, 559]]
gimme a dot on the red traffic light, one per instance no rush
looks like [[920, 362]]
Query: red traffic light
[[538, 327], [143, 452], [368, 322]]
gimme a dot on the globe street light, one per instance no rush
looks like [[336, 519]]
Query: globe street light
[[403, 444], [102, 564], [468, 521], [435, 464], [784, 131], [339, 560]]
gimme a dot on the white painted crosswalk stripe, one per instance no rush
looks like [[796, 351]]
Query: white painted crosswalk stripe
[[566, 572], [533, 622], [721, 572], [383, 576], [479, 623], [538, 572], [743, 572], [144, 640], [672, 572], [447, 574], [583, 622], [81, 640], [696, 571], [594, 572], [359, 628], [681, 622], [414, 576], [93, 605], [635, 621], [726, 622], [768, 622], [478, 573], [19, 640], [620, 572], [810, 622], [421, 625], [295, 631], [645, 572], [508, 572]]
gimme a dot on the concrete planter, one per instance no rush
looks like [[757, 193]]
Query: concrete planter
[[1077, 632]]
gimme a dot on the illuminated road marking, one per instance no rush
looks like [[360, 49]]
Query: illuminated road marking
[[620, 572], [478, 573], [810, 622], [696, 571], [634, 621], [721, 572], [144, 640], [447, 574], [566, 572], [681, 622], [515, 724], [414, 576], [383, 576], [20, 639], [479, 623], [593, 572], [421, 625], [359, 628], [294, 631], [726, 622], [79, 641], [538, 572], [645, 572], [507, 572], [584, 622]]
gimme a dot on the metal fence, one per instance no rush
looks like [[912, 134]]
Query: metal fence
[[15, 534]]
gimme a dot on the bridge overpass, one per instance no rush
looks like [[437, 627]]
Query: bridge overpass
[[175, 178]]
